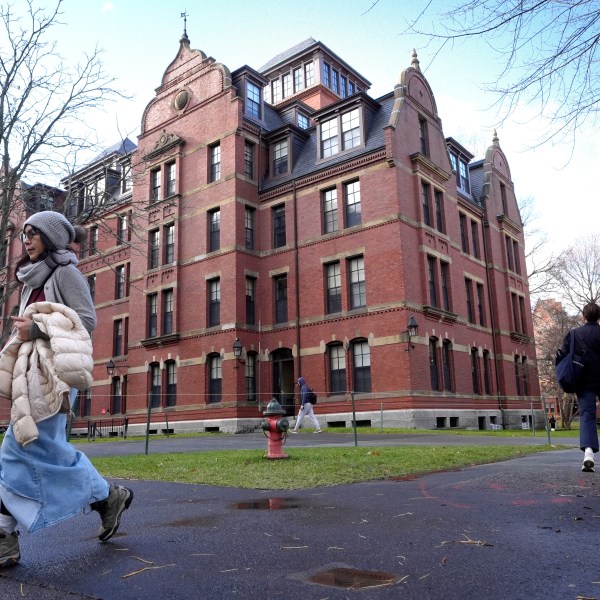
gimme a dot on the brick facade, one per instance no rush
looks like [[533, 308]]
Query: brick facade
[[352, 233]]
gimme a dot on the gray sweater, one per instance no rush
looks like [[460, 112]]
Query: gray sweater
[[68, 286]]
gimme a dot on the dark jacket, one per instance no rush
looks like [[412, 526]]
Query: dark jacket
[[587, 342], [303, 391]]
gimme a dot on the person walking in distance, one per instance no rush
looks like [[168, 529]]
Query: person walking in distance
[[43, 478], [306, 407], [587, 342]]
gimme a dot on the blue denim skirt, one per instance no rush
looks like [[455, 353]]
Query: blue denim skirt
[[48, 480]]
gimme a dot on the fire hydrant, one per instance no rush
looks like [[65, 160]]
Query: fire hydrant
[[275, 428]]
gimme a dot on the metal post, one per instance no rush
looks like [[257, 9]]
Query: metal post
[[354, 419], [167, 420], [148, 421], [546, 419], [532, 419], [382, 417]]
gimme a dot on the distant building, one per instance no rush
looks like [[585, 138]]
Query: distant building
[[285, 213]]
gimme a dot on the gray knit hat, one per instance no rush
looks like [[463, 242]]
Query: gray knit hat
[[54, 226]]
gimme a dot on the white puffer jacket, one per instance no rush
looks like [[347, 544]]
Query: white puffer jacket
[[39, 373]]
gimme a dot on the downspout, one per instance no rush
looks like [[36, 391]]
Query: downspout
[[297, 278]]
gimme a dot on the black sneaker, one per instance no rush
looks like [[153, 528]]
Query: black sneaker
[[9, 549], [111, 509]]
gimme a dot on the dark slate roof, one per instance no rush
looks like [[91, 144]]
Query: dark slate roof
[[476, 178], [305, 162], [272, 119], [288, 54], [123, 147]]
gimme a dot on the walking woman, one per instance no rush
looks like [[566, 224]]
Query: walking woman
[[43, 478]]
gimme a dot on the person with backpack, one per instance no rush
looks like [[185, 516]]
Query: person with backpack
[[307, 399], [587, 343]]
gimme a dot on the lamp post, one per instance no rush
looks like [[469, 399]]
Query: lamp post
[[411, 330], [237, 352], [110, 367]]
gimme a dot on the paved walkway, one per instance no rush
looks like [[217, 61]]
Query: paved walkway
[[522, 529]]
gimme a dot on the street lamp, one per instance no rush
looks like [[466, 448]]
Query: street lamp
[[237, 351], [411, 330], [111, 368]]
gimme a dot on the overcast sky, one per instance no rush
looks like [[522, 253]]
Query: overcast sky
[[141, 37]]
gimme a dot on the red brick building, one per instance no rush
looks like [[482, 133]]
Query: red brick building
[[285, 211]]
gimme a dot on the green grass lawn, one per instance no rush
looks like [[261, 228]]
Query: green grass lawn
[[305, 467]]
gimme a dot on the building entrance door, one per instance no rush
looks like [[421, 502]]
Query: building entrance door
[[283, 379]]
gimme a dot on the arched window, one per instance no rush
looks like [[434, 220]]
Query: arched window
[[251, 376], [518, 374], [155, 388], [361, 366], [116, 396], [171, 376], [215, 378], [337, 368], [447, 366], [434, 367], [475, 370], [487, 372]]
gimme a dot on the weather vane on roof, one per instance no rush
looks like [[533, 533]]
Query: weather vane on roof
[[184, 16]]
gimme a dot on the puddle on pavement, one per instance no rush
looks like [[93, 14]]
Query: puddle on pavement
[[353, 579], [267, 504]]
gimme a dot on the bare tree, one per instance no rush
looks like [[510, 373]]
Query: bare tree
[[577, 275], [552, 322], [43, 100], [540, 260], [549, 51]]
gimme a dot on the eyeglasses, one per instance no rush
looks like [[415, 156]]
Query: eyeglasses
[[28, 235]]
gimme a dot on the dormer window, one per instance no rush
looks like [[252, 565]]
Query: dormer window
[[349, 124], [463, 175], [252, 100], [329, 138], [303, 121], [461, 168], [280, 158]]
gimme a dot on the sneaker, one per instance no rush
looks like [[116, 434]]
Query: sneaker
[[111, 509], [293, 431], [9, 549], [588, 461], [318, 431]]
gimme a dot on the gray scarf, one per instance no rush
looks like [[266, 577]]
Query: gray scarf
[[35, 274]]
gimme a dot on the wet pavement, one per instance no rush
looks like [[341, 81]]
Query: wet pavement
[[520, 529]]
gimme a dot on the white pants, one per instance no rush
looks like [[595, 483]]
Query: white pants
[[306, 411]]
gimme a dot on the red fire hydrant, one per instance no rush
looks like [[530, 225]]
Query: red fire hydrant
[[275, 428]]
